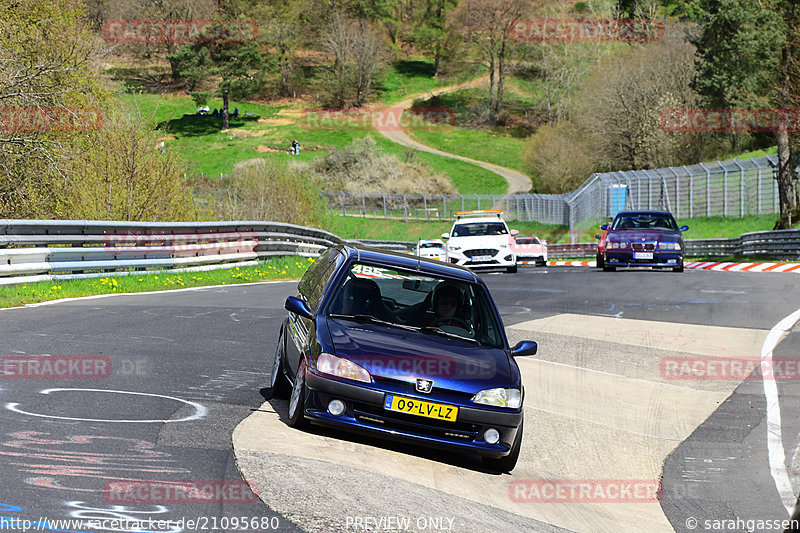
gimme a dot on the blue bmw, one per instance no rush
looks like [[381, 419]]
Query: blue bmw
[[643, 239], [401, 347]]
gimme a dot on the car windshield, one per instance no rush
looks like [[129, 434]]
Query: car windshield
[[408, 299], [430, 245], [479, 228], [661, 222]]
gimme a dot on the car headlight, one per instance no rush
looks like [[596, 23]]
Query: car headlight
[[669, 246], [342, 368], [455, 248], [511, 398], [613, 245]]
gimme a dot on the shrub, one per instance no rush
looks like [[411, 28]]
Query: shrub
[[261, 189], [362, 167]]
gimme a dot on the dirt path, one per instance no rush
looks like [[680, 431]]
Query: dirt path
[[517, 181]]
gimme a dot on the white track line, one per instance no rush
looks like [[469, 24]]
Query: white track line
[[775, 448]]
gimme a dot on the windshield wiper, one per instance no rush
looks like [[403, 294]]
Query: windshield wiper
[[438, 331], [372, 320]]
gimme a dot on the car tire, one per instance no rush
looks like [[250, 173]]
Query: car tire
[[607, 268], [507, 463], [599, 261], [511, 269], [678, 268], [297, 399], [279, 385]]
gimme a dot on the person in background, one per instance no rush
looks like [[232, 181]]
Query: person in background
[[295, 147]]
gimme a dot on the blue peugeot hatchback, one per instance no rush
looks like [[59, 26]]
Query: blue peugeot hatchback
[[402, 347]]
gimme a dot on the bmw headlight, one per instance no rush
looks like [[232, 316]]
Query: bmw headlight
[[511, 398], [669, 246], [342, 368]]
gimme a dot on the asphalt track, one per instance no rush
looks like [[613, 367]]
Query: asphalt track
[[189, 367]]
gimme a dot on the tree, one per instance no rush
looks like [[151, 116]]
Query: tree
[[121, 174], [43, 82], [224, 68], [748, 54], [487, 24], [432, 29], [358, 55]]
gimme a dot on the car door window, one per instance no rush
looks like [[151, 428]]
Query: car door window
[[316, 277]]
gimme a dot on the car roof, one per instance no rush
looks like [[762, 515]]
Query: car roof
[[644, 212], [407, 262], [473, 220]]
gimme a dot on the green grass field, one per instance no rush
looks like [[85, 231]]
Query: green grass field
[[272, 270]]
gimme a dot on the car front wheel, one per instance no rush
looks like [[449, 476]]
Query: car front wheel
[[599, 260], [507, 463], [297, 400]]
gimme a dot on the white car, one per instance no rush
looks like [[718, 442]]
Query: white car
[[432, 249], [481, 239]]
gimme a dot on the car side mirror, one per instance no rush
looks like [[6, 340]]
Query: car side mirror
[[297, 306], [445, 235], [684, 228], [597, 237], [604, 227], [514, 232], [524, 348]]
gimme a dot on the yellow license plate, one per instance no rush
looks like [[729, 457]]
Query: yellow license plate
[[421, 408]]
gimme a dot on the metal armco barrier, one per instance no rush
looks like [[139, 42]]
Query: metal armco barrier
[[39, 250], [781, 244]]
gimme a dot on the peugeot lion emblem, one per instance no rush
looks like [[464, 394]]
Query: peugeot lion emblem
[[424, 385]]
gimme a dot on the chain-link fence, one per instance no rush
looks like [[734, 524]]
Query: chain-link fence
[[725, 188]]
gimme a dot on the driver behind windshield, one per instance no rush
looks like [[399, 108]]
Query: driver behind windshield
[[446, 304]]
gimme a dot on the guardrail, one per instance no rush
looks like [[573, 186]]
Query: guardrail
[[779, 244], [38, 250]]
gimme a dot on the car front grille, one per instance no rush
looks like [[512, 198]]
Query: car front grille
[[481, 251], [643, 246]]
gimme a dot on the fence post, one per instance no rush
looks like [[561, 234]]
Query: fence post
[[479, 201], [384, 204], [708, 189], [677, 192], [405, 208], [741, 188], [444, 207], [758, 191], [344, 204], [425, 205], [724, 189], [363, 206], [691, 191]]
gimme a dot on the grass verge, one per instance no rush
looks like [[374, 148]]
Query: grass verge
[[284, 268]]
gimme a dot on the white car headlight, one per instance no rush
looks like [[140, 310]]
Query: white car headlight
[[455, 248], [511, 398], [342, 368], [669, 246]]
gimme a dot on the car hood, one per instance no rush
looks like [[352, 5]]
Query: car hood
[[404, 355], [640, 235]]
